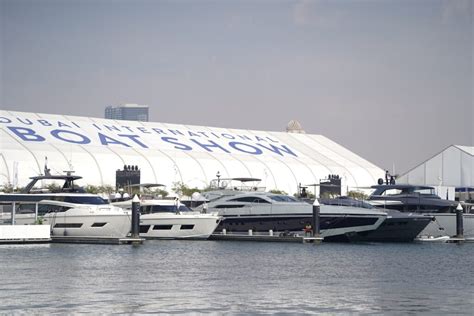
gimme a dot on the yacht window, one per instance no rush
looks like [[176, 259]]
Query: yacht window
[[230, 206], [50, 208], [392, 192], [283, 198], [98, 224], [145, 209], [250, 199], [183, 227], [26, 209], [162, 227], [425, 191], [68, 225], [95, 200], [184, 208], [163, 209], [144, 229]]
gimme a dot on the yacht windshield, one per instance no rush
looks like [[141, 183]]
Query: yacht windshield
[[392, 192], [424, 191]]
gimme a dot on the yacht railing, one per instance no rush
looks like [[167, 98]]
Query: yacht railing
[[9, 217]]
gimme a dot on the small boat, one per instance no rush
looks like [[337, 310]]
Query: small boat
[[432, 239], [162, 218]]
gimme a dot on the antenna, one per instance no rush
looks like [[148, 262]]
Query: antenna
[[69, 162], [46, 169]]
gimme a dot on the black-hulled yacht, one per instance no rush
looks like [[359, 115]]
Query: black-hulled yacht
[[397, 227], [245, 208], [424, 201]]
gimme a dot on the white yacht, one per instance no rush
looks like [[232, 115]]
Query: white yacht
[[69, 212], [245, 208], [169, 219]]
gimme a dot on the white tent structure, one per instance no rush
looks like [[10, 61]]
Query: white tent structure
[[168, 153], [449, 169]]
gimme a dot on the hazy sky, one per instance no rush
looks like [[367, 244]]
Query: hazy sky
[[390, 80]]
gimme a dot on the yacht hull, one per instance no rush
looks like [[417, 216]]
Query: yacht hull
[[332, 226], [395, 229], [75, 223], [96, 224]]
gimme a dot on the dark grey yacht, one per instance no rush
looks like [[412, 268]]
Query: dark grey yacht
[[423, 200], [397, 227]]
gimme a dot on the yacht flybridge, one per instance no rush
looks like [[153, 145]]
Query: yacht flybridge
[[68, 210]]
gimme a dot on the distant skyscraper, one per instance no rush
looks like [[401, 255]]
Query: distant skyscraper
[[131, 112]]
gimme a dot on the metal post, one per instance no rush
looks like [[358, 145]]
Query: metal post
[[135, 217], [316, 208], [36, 212], [13, 219], [459, 222]]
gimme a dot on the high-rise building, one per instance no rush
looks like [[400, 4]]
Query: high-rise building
[[131, 112]]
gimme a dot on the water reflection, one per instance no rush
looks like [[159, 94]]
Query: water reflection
[[233, 277]]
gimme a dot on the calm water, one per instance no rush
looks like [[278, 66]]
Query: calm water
[[237, 278]]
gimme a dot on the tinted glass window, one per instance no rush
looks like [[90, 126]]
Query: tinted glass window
[[144, 229], [184, 208], [392, 192], [425, 191], [50, 208], [230, 206], [250, 199], [84, 200], [283, 198], [162, 227], [163, 209]]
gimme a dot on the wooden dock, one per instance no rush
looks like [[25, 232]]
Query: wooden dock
[[460, 240], [24, 234], [25, 241]]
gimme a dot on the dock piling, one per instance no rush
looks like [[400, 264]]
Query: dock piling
[[13, 216], [459, 222], [316, 220], [135, 232]]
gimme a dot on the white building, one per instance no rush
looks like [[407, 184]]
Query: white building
[[448, 170], [167, 153]]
